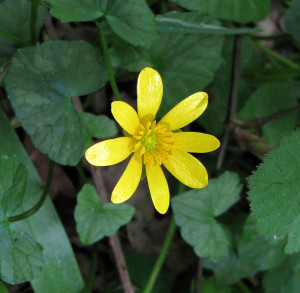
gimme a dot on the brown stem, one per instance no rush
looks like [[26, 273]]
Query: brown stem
[[255, 123], [235, 73], [5, 70], [114, 240]]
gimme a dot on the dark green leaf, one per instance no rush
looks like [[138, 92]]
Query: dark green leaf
[[13, 180], [242, 11], [61, 273], [269, 99], [285, 277], [175, 24], [21, 257], [209, 286], [41, 84], [186, 70], [195, 213], [274, 192], [94, 220], [131, 20], [97, 126], [292, 20], [3, 288], [256, 251], [15, 21]]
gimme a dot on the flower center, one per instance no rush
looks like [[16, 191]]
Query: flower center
[[153, 142]]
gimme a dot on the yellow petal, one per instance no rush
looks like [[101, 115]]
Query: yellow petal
[[186, 111], [159, 188], [126, 116], [109, 152], [149, 93], [129, 181], [187, 169], [195, 142]]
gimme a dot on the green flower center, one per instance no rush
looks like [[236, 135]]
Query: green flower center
[[149, 141]]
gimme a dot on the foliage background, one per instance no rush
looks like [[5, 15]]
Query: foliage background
[[57, 61]]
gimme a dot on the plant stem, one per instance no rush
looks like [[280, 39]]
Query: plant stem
[[6, 69], [197, 287], [236, 72], [273, 55], [14, 38], [33, 21], [114, 240], [255, 123], [161, 257], [110, 72], [39, 204], [92, 273]]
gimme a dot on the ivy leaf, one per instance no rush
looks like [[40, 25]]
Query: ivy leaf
[[21, 257], [41, 84], [292, 20], [285, 277], [184, 71], [195, 213], [131, 20], [274, 192], [241, 11], [97, 126], [95, 220], [15, 23], [268, 100]]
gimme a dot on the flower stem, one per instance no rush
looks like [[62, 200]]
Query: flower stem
[[161, 257], [111, 76], [33, 21], [38, 205]]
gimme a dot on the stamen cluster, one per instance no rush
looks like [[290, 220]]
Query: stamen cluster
[[153, 142]]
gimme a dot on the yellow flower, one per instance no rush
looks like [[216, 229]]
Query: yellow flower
[[154, 144]]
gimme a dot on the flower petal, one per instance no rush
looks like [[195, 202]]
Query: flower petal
[[149, 93], [129, 181], [126, 116], [109, 152], [159, 188], [186, 111], [187, 169], [195, 142]]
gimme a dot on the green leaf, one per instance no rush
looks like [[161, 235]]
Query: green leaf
[[131, 20], [21, 257], [13, 180], [74, 10], [186, 70], [285, 277], [61, 273], [209, 286], [242, 11], [175, 24], [15, 22], [256, 251], [97, 126], [195, 213], [41, 84], [3, 288], [292, 20], [274, 192], [269, 99], [229, 270], [95, 220]]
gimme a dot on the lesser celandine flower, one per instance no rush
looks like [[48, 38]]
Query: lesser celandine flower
[[154, 143]]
